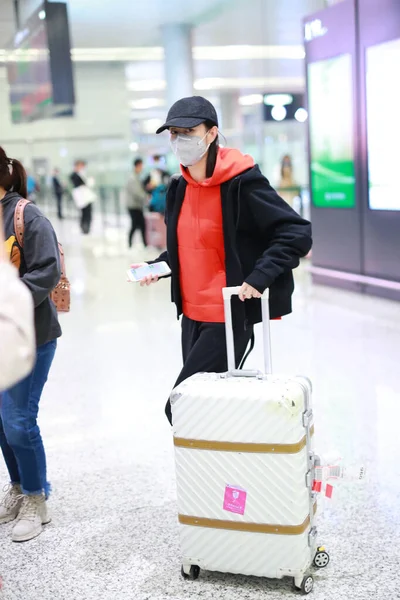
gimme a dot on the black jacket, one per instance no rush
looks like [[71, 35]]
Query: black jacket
[[76, 179], [57, 187], [264, 240], [40, 266]]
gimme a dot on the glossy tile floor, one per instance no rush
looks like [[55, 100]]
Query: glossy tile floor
[[114, 533]]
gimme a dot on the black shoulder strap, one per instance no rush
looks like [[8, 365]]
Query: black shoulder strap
[[176, 183], [249, 351]]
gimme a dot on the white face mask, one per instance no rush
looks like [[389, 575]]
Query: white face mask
[[189, 149]]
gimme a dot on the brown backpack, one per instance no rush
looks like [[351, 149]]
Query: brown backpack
[[61, 295]]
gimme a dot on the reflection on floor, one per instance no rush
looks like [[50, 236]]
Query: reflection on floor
[[114, 533]]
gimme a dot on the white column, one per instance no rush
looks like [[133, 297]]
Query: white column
[[178, 61], [231, 119], [231, 116]]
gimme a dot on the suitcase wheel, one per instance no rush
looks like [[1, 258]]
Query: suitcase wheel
[[191, 574], [307, 585], [321, 559]]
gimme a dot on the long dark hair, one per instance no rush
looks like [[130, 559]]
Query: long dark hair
[[12, 175], [212, 152]]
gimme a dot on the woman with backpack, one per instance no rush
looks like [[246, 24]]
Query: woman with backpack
[[226, 226], [37, 258]]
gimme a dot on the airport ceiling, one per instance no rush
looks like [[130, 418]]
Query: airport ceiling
[[267, 35], [138, 23]]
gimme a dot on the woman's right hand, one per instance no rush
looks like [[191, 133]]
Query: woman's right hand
[[146, 280]]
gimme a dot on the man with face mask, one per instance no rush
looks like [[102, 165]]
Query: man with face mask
[[226, 226]]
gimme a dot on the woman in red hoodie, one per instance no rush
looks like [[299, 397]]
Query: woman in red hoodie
[[226, 226]]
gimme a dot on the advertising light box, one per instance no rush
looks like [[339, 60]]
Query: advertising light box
[[331, 122], [383, 125]]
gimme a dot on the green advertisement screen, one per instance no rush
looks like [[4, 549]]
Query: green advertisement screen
[[330, 101]]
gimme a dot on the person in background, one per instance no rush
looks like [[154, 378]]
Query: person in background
[[158, 173], [226, 226], [38, 263], [58, 189], [17, 332], [136, 200], [83, 195], [157, 184], [287, 185], [32, 188]]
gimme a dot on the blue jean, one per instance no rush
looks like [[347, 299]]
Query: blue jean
[[20, 439]]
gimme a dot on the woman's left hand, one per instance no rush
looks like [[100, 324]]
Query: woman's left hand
[[247, 292]]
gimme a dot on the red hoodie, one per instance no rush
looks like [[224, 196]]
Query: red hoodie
[[201, 239]]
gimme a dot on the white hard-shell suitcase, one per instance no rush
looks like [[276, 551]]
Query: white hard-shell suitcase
[[245, 469]]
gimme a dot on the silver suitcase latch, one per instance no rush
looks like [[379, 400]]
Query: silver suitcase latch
[[312, 536], [307, 418]]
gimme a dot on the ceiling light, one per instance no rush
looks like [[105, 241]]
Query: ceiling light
[[251, 100], [278, 113], [278, 99], [134, 147], [146, 85], [248, 52], [156, 53], [145, 103], [223, 83], [42, 15], [150, 126], [209, 83], [301, 115]]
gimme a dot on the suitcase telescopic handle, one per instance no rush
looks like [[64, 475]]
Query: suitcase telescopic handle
[[230, 343]]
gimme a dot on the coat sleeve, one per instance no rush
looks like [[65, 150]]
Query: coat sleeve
[[17, 330], [164, 257], [287, 236], [42, 259]]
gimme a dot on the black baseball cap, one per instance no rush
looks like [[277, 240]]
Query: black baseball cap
[[190, 112]]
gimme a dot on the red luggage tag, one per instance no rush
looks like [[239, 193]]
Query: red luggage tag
[[317, 486], [329, 490]]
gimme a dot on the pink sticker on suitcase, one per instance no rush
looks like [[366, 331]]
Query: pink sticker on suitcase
[[235, 500]]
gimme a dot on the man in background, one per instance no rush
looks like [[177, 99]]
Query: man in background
[[58, 191], [82, 194], [136, 200]]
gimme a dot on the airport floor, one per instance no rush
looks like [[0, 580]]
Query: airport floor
[[114, 533]]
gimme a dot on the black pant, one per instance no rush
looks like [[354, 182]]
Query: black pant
[[86, 218], [59, 196], [204, 349], [137, 222]]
